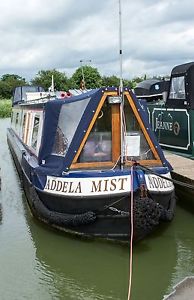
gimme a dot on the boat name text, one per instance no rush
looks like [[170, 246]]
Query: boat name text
[[164, 125], [157, 182], [76, 186], [103, 186]]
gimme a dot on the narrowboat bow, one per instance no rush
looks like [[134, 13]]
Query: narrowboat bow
[[84, 158]]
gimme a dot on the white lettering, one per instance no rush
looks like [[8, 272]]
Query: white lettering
[[88, 186], [164, 125], [103, 186], [156, 183]]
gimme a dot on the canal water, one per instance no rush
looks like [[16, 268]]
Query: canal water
[[38, 263]]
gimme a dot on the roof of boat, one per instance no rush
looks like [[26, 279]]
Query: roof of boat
[[180, 69], [54, 98], [151, 87], [147, 83], [39, 96], [19, 93]]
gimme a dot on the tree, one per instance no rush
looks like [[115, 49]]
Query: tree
[[127, 83], [115, 81], [8, 82], [12, 78], [110, 81], [136, 80], [71, 83], [5, 91], [44, 79], [91, 76]]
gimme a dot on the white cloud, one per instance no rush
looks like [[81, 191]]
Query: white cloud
[[44, 34]]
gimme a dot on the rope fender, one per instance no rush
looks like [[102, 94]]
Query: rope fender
[[60, 218], [146, 214]]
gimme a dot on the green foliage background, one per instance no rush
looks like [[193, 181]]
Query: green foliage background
[[92, 78], [5, 108], [44, 78]]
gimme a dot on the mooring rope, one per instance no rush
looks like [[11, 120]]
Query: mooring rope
[[131, 239]]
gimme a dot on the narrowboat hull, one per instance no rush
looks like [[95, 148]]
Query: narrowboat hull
[[104, 216]]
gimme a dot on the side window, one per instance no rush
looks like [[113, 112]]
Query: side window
[[177, 88], [35, 131], [61, 143], [17, 122], [69, 118], [17, 119], [23, 126]]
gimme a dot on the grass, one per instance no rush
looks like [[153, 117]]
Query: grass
[[5, 108]]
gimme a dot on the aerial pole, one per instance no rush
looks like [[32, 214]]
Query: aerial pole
[[121, 85], [120, 49]]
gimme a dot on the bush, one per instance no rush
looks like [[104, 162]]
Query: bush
[[5, 108]]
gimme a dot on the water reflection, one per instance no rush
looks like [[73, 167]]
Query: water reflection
[[94, 270], [183, 235], [79, 269], [42, 264]]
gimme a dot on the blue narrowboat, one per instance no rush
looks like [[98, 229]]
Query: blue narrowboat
[[85, 158]]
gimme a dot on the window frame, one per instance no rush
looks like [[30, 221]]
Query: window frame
[[116, 137], [175, 97], [36, 115], [23, 125], [29, 130]]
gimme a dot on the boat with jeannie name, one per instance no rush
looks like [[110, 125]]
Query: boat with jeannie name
[[170, 105]]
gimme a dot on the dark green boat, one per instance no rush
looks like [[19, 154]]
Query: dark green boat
[[170, 107]]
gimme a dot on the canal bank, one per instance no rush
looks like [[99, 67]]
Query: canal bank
[[183, 172], [184, 290], [39, 263]]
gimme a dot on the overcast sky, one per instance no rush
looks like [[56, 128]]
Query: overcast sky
[[47, 34]]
